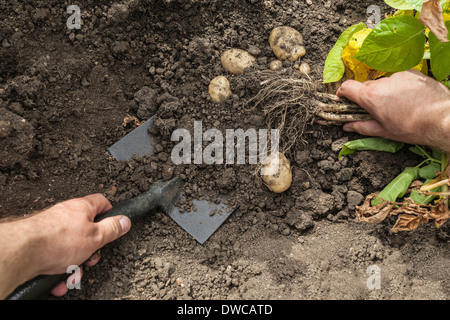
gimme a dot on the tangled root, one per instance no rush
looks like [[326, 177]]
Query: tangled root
[[288, 104]]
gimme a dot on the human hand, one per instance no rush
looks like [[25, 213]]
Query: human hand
[[62, 288], [59, 237], [407, 107]]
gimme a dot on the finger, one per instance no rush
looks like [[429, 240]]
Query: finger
[[352, 90], [408, 73], [112, 228], [93, 260], [366, 128], [97, 204], [60, 290]]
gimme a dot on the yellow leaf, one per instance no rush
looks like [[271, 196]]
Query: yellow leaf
[[404, 12], [355, 69], [422, 67], [446, 16]]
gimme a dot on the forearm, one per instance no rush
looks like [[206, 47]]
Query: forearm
[[53, 239], [18, 252]]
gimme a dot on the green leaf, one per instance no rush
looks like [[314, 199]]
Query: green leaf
[[440, 56], [446, 83], [399, 4], [446, 6], [397, 187], [374, 144], [395, 44], [408, 4], [334, 66], [436, 154], [430, 171], [422, 198], [418, 151]]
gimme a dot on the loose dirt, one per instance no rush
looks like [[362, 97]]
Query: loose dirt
[[64, 95]]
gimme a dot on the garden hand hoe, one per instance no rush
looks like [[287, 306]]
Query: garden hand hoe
[[162, 195], [200, 223]]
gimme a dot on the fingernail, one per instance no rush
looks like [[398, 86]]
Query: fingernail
[[348, 129], [125, 222], [95, 257]]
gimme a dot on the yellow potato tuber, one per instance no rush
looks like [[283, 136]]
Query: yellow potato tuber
[[237, 60], [219, 89], [275, 65], [305, 69], [277, 174], [287, 43]]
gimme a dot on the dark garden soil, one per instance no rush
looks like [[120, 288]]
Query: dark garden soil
[[64, 95]]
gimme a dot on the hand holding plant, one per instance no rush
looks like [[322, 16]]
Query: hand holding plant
[[408, 107]]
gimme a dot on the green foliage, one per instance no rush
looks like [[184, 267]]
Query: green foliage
[[397, 187], [395, 44], [422, 198], [430, 171], [334, 66], [408, 4], [374, 144], [401, 4], [440, 56]]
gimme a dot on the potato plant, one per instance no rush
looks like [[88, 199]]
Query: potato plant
[[414, 36], [416, 196], [408, 36]]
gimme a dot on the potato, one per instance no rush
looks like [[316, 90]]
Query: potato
[[219, 89], [287, 43], [305, 69], [275, 65], [277, 173], [237, 60]]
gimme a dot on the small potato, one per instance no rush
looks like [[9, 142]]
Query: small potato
[[275, 65], [237, 60], [287, 43], [219, 89], [277, 173], [305, 69]]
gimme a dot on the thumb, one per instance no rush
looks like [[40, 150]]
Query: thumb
[[366, 128], [112, 228]]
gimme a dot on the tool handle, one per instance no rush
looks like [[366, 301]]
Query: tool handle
[[133, 208], [40, 287], [37, 288]]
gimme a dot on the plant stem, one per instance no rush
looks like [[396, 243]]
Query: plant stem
[[425, 161], [427, 155], [432, 186]]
